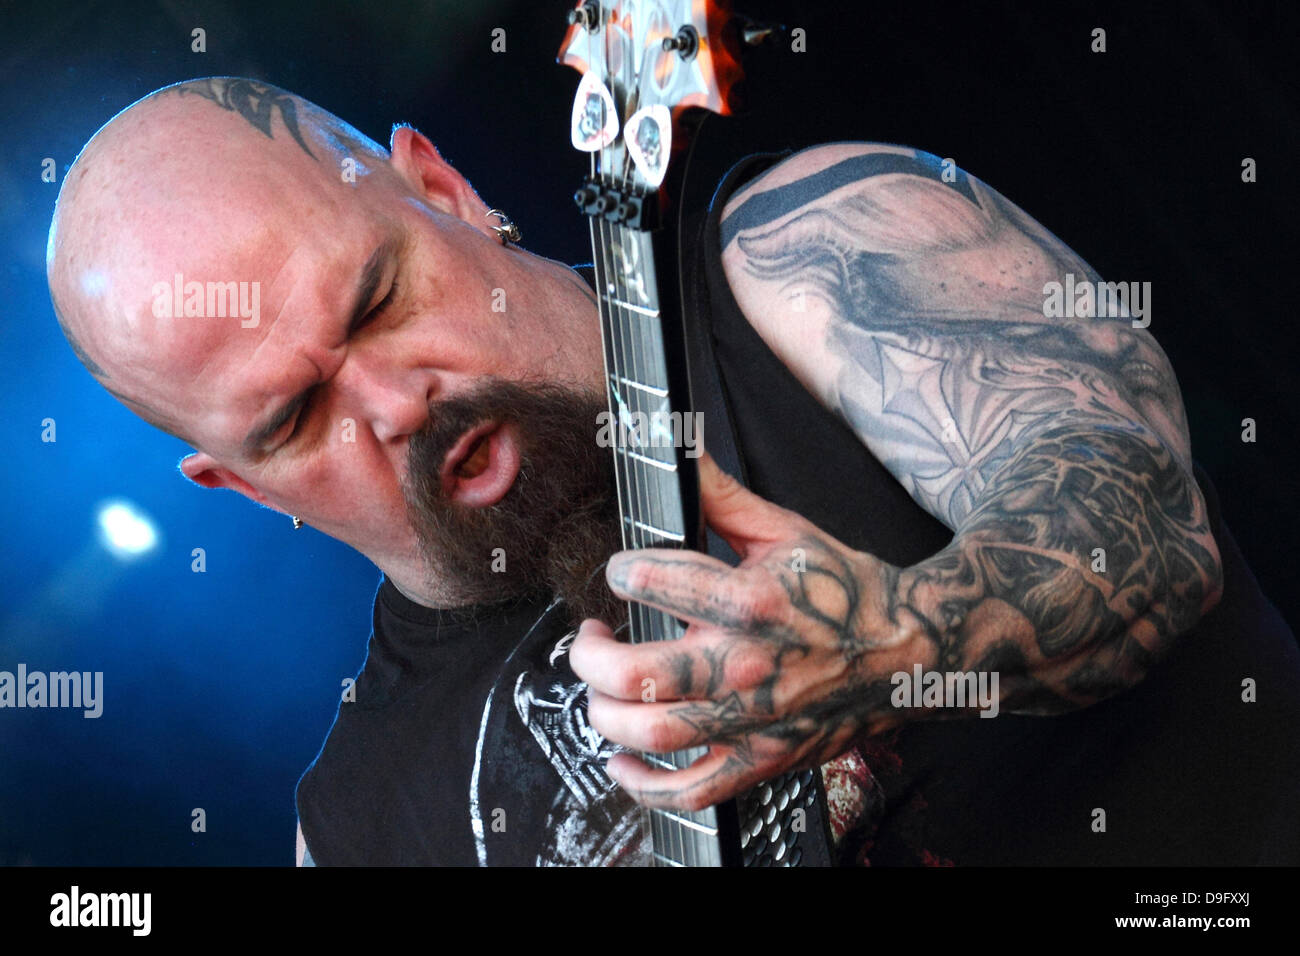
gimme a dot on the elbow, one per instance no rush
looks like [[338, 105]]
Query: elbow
[[1212, 575], [1192, 587]]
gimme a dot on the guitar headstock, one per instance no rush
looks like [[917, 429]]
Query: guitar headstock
[[644, 63]]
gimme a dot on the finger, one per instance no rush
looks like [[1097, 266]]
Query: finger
[[661, 728], [704, 664], [698, 588], [655, 671], [648, 728], [737, 515], [717, 776]]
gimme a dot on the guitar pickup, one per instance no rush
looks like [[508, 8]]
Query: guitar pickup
[[621, 207]]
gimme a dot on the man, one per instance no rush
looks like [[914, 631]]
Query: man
[[888, 314]]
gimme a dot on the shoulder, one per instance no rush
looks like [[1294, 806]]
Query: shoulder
[[775, 231], [818, 171]]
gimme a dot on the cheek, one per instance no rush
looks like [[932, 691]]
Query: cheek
[[345, 479]]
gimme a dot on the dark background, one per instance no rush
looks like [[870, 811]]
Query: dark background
[[220, 686]]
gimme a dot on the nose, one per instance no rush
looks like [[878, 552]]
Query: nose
[[393, 397]]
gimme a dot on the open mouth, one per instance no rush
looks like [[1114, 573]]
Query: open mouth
[[482, 465]]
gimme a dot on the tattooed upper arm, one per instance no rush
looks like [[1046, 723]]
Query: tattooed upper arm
[[912, 303]]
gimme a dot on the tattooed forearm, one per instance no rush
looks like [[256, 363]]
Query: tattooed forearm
[[1086, 559], [1089, 555]]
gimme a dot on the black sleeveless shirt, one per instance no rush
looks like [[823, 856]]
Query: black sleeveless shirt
[[466, 742]]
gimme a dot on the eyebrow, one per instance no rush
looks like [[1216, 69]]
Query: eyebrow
[[371, 274]]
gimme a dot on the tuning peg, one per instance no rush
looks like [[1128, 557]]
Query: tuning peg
[[585, 15], [686, 43]]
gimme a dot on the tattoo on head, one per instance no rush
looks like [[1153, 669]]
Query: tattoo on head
[[255, 102]]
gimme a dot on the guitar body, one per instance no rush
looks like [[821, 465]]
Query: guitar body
[[644, 63]]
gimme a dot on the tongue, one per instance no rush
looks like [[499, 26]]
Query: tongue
[[487, 472], [478, 460]]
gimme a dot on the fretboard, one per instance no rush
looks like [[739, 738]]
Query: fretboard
[[654, 475]]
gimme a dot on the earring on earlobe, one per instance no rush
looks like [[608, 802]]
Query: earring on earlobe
[[297, 522], [507, 232]]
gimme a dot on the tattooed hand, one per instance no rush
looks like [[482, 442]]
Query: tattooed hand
[[785, 658]]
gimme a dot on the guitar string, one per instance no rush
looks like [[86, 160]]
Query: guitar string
[[647, 361], [600, 267], [627, 529]]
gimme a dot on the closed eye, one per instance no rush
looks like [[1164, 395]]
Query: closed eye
[[304, 402], [377, 311]]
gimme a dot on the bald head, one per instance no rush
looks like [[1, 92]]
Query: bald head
[[196, 183]]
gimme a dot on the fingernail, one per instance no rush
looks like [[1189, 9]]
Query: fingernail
[[616, 571]]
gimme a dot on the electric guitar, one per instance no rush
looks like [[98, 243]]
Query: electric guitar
[[647, 66]]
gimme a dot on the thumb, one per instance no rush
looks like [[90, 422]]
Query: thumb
[[738, 515]]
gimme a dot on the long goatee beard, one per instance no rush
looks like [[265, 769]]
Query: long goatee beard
[[556, 526]]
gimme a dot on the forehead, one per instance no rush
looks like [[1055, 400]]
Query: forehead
[[279, 273]]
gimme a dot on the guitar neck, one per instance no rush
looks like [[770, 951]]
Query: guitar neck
[[651, 421], [646, 67], [648, 402]]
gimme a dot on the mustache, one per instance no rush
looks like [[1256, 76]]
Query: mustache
[[555, 413]]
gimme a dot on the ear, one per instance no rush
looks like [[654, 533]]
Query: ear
[[420, 164], [202, 469]]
